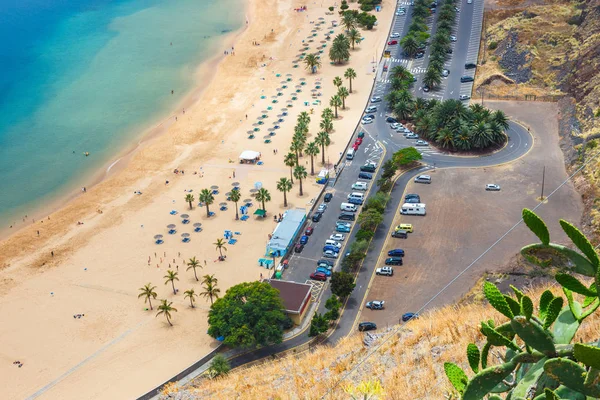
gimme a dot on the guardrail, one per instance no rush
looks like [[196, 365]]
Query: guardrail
[[527, 97]]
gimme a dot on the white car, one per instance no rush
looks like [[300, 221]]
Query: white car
[[492, 186], [322, 208], [330, 254], [338, 237], [412, 136], [399, 13], [388, 271], [376, 99], [394, 125], [394, 35], [469, 1], [376, 305], [421, 143], [360, 186], [332, 242], [452, 38], [445, 73], [367, 121], [371, 109], [464, 97]]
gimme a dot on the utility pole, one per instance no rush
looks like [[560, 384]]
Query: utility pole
[[543, 180]]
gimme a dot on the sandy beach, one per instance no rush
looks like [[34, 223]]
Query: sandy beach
[[117, 349]]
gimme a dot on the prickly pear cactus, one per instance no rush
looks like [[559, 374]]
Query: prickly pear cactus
[[540, 363]]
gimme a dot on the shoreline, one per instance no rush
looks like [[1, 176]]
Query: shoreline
[[151, 130]]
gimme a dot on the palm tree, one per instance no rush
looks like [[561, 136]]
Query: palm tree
[[193, 264], [326, 124], [166, 309], [189, 198], [297, 146], [148, 292], [304, 118], [335, 102], [501, 119], [432, 78], [403, 109], [401, 72], [481, 135], [323, 140], [263, 196], [354, 36], [290, 161], [191, 294], [445, 138], [284, 185], [327, 113], [340, 49], [235, 196], [410, 45], [350, 74], [210, 288], [220, 245], [171, 277], [312, 62], [312, 149], [343, 93], [300, 173], [207, 198], [349, 21], [337, 81]]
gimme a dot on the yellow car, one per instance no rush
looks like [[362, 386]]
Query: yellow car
[[405, 227]]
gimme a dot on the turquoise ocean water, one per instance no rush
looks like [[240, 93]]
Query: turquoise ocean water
[[88, 75]]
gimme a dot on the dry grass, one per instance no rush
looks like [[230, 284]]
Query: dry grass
[[408, 365]]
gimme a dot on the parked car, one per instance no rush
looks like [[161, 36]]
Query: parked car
[[309, 231], [366, 121], [470, 65], [326, 266], [423, 179], [298, 248], [387, 271], [420, 54], [358, 141], [395, 125], [399, 13], [391, 120], [361, 134], [368, 167], [329, 247], [330, 254], [318, 276], [421, 143], [317, 216], [453, 38], [405, 227], [393, 261], [322, 208], [408, 316], [342, 228], [445, 73], [337, 245], [346, 216], [412, 136], [466, 78], [449, 50], [412, 198], [400, 234], [396, 253], [426, 88], [342, 223], [367, 326], [395, 35], [464, 97], [392, 42], [365, 175], [376, 99], [371, 109], [327, 198], [323, 271], [338, 237], [323, 261], [355, 146], [492, 186], [469, 1], [303, 239], [376, 304], [359, 186]]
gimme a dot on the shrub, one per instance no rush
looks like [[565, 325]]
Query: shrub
[[493, 45]]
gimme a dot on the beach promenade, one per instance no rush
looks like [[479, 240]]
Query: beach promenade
[[69, 297]]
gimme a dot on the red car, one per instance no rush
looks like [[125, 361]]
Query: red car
[[355, 147], [358, 141], [309, 231], [318, 276], [392, 42]]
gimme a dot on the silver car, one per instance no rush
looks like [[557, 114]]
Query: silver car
[[492, 186], [412, 136], [421, 143]]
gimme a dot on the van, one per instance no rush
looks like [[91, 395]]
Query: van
[[405, 227], [356, 195], [423, 179], [413, 209], [400, 234], [347, 216], [350, 154], [359, 186], [348, 207]]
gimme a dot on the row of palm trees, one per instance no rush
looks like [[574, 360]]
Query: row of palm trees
[[415, 38], [210, 290], [206, 196], [440, 44]]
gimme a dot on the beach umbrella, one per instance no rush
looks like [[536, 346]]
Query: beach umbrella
[[267, 137], [249, 132], [255, 124], [184, 216], [302, 79], [185, 235], [214, 187], [271, 129], [171, 226], [288, 74], [247, 200], [258, 185], [158, 237], [260, 122], [197, 224], [235, 184], [253, 191], [228, 194], [223, 204]]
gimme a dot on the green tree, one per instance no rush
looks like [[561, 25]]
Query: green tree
[[324, 141], [349, 21], [403, 110], [304, 118], [193, 263], [219, 366], [207, 198], [432, 78], [406, 156], [409, 45], [340, 49], [312, 63], [350, 74], [191, 294], [326, 125], [342, 284], [377, 202], [354, 36], [300, 173], [445, 138], [401, 72], [337, 81], [318, 325], [171, 277], [290, 161], [284, 185], [166, 309], [312, 149], [343, 93], [335, 102], [235, 196], [220, 246], [189, 198], [370, 219], [501, 119], [333, 304], [297, 146], [250, 314], [263, 196], [148, 292], [211, 291]]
